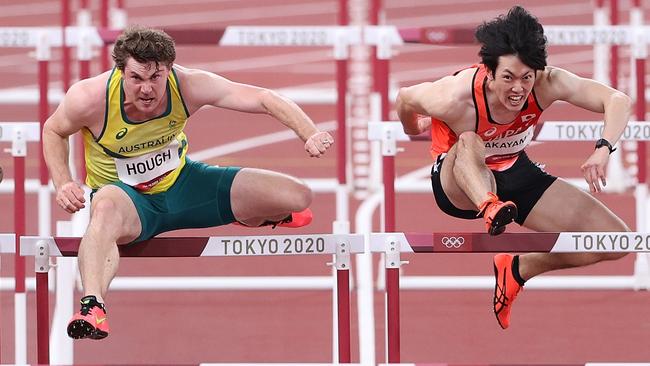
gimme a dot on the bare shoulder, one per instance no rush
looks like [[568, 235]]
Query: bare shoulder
[[86, 100], [184, 73], [461, 85], [454, 95], [553, 83], [550, 75], [190, 79], [198, 85]]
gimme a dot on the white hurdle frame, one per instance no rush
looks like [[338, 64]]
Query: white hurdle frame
[[341, 246], [19, 134], [393, 243]]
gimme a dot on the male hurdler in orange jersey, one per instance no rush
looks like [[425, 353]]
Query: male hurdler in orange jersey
[[481, 120]]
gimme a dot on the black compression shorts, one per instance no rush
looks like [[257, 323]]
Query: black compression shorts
[[524, 183]]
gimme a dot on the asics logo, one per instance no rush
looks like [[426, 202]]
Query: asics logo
[[490, 132], [453, 241], [528, 117], [121, 133]]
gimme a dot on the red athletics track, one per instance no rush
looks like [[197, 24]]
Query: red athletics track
[[442, 326]]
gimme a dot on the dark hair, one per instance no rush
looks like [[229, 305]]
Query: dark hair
[[517, 33], [144, 45]]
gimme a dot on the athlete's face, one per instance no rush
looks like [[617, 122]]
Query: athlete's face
[[145, 84], [512, 82]]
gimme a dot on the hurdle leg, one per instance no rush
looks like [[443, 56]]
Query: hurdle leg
[[392, 264], [19, 152], [342, 265], [42, 267]]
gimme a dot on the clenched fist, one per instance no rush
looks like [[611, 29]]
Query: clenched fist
[[318, 143], [70, 196]]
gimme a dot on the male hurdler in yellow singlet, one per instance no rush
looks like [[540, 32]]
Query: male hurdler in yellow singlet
[[132, 121], [147, 156]]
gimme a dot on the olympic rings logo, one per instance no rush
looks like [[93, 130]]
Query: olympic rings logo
[[454, 242]]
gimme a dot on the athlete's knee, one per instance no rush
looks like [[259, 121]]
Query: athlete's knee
[[301, 196], [106, 211], [469, 146], [470, 139]]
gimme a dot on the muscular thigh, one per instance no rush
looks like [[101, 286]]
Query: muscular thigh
[[451, 189], [199, 198], [564, 207], [259, 193], [123, 219]]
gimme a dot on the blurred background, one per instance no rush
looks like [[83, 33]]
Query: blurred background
[[549, 326]]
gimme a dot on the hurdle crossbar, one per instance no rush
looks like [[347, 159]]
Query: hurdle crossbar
[[390, 131], [392, 244], [341, 246], [563, 35], [566, 242]]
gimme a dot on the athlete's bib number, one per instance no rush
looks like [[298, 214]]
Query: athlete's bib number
[[145, 168], [509, 145]]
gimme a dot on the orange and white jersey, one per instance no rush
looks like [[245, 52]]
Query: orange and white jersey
[[503, 142]]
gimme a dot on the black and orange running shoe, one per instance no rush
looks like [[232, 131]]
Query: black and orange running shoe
[[296, 219], [90, 321], [506, 288], [497, 214]]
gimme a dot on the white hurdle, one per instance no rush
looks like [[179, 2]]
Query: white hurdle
[[341, 246], [19, 134], [392, 244]]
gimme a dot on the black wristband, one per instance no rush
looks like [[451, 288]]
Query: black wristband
[[602, 142]]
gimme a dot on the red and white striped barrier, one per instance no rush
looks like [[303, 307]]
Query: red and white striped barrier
[[213, 246], [560, 35], [19, 134], [341, 246], [392, 244], [506, 364], [389, 132], [457, 242]]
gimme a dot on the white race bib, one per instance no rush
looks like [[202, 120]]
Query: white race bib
[[509, 145], [147, 167]]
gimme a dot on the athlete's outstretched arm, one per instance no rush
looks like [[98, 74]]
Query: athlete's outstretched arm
[[204, 88], [596, 97]]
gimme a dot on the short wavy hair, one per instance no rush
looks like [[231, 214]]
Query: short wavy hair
[[144, 45], [516, 33]]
